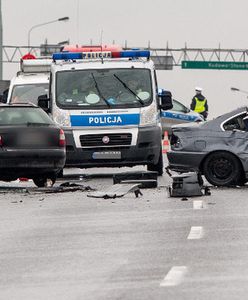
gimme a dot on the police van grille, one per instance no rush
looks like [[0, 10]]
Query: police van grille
[[91, 140]]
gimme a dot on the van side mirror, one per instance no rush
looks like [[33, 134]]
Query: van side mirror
[[43, 102], [165, 99]]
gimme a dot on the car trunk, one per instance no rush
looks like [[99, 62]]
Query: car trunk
[[22, 137]]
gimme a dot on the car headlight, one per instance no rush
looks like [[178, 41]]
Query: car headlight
[[149, 115], [62, 117]]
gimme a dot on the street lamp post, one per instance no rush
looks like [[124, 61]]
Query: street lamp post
[[42, 24], [234, 89]]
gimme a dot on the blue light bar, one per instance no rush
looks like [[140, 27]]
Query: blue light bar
[[135, 53], [131, 54], [104, 54], [67, 56]]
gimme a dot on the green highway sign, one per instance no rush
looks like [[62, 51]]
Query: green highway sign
[[214, 65]]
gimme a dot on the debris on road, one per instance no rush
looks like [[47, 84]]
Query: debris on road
[[63, 188], [117, 190], [188, 185], [146, 179]]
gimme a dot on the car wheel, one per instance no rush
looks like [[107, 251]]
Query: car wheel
[[42, 181], [222, 169], [158, 167]]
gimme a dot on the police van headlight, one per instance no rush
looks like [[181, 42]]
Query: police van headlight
[[149, 115], [62, 117]]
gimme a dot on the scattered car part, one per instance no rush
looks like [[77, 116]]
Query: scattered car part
[[117, 190], [144, 178], [187, 185]]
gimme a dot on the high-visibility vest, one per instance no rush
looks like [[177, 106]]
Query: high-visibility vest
[[199, 105]]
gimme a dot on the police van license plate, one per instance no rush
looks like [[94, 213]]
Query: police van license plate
[[107, 155]]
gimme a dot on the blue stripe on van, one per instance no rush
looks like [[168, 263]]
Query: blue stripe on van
[[105, 120]]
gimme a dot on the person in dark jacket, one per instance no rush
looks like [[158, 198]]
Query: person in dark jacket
[[199, 103]]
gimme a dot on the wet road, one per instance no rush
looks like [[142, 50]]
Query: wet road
[[69, 246]]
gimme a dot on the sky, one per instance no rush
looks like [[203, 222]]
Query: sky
[[197, 23]]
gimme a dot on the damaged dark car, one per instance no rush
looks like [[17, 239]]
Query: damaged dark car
[[218, 149], [31, 144]]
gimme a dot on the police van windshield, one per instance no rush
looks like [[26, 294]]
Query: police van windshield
[[103, 88], [29, 92]]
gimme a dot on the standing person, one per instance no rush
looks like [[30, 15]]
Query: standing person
[[199, 103]]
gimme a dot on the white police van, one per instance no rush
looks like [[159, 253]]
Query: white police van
[[31, 81], [109, 107]]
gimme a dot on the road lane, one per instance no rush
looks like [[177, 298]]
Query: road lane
[[69, 246]]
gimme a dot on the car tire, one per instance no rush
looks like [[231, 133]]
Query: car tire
[[42, 181], [158, 167], [222, 169]]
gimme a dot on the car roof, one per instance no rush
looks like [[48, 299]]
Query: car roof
[[31, 78], [214, 124], [222, 118]]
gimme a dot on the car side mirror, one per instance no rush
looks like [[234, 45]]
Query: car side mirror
[[165, 99], [43, 102]]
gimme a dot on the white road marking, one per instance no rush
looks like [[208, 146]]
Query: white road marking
[[198, 204], [174, 276], [196, 232]]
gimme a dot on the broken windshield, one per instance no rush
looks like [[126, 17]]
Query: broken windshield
[[103, 88]]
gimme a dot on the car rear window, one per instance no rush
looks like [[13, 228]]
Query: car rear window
[[23, 116], [235, 123]]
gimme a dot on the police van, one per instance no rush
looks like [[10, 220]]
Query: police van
[[31, 81], [108, 105]]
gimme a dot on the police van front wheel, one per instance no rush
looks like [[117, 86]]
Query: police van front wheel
[[158, 167]]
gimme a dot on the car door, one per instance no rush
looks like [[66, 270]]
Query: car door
[[177, 115]]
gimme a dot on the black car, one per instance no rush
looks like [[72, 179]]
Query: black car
[[217, 148], [31, 144]]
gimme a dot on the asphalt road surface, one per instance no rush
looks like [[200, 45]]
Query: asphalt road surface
[[68, 246]]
